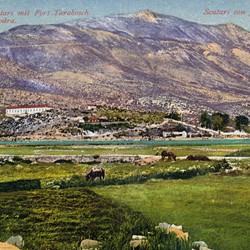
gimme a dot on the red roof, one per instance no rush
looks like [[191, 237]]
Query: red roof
[[94, 118], [29, 106]]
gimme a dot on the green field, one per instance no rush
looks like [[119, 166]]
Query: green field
[[213, 207], [212, 150]]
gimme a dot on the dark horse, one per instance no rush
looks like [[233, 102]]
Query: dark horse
[[95, 173], [170, 155]]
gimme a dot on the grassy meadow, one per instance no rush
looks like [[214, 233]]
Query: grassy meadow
[[209, 150], [213, 207]]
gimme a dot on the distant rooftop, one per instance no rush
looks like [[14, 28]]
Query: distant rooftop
[[29, 106]]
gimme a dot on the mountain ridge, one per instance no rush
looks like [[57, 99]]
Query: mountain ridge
[[142, 60], [171, 24]]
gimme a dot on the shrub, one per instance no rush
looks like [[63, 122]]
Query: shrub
[[20, 185], [63, 161], [18, 159], [243, 153], [221, 165]]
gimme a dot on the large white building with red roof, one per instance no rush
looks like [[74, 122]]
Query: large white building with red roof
[[27, 109]]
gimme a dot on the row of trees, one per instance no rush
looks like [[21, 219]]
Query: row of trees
[[219, 121]]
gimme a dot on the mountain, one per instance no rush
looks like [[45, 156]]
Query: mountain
[[144, 60]]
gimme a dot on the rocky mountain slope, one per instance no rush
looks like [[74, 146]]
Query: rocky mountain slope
[[143, 60]]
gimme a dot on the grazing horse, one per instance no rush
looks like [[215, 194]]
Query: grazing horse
[[95, 173], [170, 155]]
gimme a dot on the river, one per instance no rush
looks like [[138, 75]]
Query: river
[[194, 142]]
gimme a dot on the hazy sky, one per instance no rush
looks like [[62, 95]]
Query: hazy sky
[[193, 10]]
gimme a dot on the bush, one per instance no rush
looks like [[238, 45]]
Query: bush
[[221, 165], [20, 185], [243, 153], [64, 161], [20, 160]]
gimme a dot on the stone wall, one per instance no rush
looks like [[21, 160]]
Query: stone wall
[[72, 158]]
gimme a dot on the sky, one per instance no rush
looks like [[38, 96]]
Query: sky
[[18, 12]]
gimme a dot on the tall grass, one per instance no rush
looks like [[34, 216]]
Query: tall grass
[[61, 219]]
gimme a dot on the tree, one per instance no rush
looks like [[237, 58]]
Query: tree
[[205, 120], [241, 121], [219, 121], [174, 116], [225, 118]]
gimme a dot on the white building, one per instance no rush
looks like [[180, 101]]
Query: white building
[[92, 106], [170, 134], [29, 109]]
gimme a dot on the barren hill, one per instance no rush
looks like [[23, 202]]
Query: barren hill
[[143, 60]]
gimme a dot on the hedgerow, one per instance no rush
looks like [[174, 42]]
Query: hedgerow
[[173, 173]]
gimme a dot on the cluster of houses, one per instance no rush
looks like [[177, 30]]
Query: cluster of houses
[[195, 131]]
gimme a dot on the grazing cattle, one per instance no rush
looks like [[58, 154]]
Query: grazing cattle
[[170, 155], [95, 173], [197, 158]]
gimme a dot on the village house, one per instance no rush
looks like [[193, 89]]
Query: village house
[[26, 110], [92, 107], [174, 133]]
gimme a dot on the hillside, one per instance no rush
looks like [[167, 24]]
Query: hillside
[[143, 60]]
